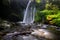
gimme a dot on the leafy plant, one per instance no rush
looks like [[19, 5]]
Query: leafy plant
[[38, 1]]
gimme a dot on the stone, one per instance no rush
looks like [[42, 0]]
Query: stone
[[43, 33]]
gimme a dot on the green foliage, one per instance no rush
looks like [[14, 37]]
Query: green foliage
[[49, 16], [57, 22], [56, 2], [38, 1], [37, 17], [47, 12]]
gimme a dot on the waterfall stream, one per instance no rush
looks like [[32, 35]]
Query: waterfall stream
[[25, 14], [29, 14]]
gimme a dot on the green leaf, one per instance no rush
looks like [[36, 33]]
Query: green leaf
[[38, 1]]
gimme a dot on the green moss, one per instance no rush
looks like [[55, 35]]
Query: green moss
[[38, 1]]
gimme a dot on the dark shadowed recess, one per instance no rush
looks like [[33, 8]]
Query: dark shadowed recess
[[12, 10]]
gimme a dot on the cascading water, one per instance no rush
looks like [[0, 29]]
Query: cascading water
[[29, 14], [33, 15], [25, 14]]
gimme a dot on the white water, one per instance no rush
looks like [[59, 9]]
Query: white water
[[29, 14], [25, 14]]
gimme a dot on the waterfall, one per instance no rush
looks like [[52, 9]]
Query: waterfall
[[26, 11], [33, 14], [29, 14]]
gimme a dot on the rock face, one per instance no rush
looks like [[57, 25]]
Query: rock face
[[13, 9], [21, 2]]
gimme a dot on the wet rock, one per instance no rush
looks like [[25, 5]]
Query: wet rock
[[44, 34], [43, 26], [24, 37], [19, 37], [9, 36], [6, 24], [29, 38]]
